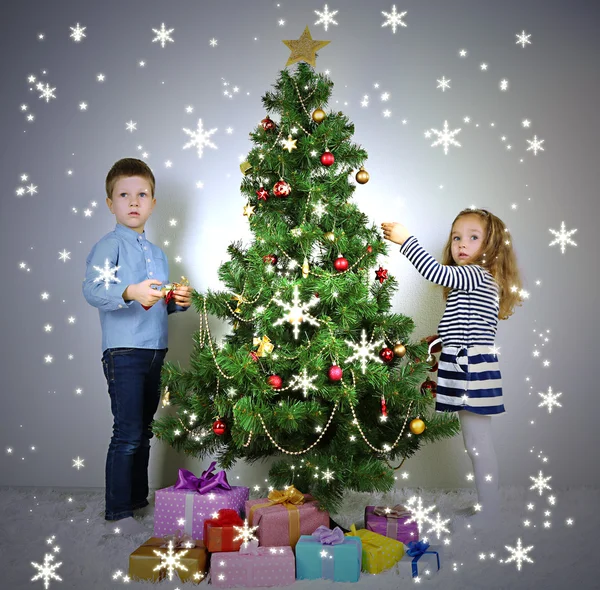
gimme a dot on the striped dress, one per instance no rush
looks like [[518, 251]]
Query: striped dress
[[468, 373]]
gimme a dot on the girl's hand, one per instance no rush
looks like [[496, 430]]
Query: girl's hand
[[395, 232], [183, 296]]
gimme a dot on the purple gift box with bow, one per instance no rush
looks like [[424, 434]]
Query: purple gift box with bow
[[391, 522], [192, 500]]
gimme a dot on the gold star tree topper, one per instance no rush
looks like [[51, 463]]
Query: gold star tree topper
[[304, 49]]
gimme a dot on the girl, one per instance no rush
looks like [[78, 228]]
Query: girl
[[481, 285]]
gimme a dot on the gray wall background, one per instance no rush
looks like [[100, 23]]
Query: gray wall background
[[553, 82]]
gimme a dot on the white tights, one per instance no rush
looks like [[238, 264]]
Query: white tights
[[477, 434]]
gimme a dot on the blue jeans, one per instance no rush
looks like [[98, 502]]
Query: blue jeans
[[133, 377]]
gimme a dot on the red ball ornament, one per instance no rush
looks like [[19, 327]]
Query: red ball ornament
[[253, 356], [386, 355], [434, 367], [268, 124], [335, 373], [428, 386], [327, 159], [282, 189], [381, 274], [271, 259], [369, 249], [275, 381], [219, 427], [340, 264], [262, 193]]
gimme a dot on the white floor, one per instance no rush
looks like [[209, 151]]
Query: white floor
[[565, 556]]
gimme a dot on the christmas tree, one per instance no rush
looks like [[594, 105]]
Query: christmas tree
[[317, 370]]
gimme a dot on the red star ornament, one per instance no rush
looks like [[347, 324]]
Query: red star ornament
[[381, 274]]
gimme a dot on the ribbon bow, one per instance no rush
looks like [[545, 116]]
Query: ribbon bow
[[417, 548], [264, 346], [178, 540], [171, 287], [288, 496], [397, 511], [208, 481], [328, 536], [250, 548]]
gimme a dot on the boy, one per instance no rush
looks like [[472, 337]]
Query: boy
[[121, 271]]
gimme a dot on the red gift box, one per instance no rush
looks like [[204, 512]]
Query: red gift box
[[219, 533]]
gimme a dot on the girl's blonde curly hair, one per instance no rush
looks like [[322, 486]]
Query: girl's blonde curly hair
[[497, 256]]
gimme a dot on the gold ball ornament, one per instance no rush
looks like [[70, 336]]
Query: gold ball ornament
[[362, 176], [318, 115], [399, 350], [417, 426], [330, 236], [246, 168]]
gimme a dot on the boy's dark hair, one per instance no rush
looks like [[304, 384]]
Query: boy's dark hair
[[128, 167]]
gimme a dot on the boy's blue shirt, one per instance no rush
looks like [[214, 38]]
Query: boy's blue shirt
[[126, 323]]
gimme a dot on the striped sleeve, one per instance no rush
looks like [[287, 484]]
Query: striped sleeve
[[463, 278]]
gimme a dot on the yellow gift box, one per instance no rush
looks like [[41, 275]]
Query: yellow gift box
[[378, 552]]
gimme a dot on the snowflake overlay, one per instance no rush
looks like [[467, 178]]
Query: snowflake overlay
[[46, 92], [200, 138], [549, 399], [162, 35], [445, 137], [107, 274], [535, 144], [46, 570], [297, 312], [563, 237], [326, 17], [523, 39], [246, 533], [519, 554], [438, 525], [170, 560], [303, 382], [394, 19], [540, 483], [419, 513], [363, 351], [77, 35]]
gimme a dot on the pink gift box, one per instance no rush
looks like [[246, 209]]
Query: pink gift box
[[187, 510], [394, 528], [273, 566], [273, 521]]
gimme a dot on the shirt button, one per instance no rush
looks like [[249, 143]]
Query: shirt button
[[120, 305], [145, 248], [150, 273], [148, 259]]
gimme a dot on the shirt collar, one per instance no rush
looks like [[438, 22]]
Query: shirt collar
[[130, 234]]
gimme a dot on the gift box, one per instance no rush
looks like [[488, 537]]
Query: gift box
[[151, 560], [219, 533], [253, 567], [330, 555], [284, 516], [192, 500], [379, 553], [391, 522], [421, 559]]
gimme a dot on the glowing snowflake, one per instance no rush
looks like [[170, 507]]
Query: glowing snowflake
[[419, 513], [363, 351], [519, 554], [443, 83], [540, 483], [394, 19], [107, 274], [77, 34], [445, 137], [438, 525], [200, 138], [46, 92], [297, 312], [246, 533], [535, 144], [523, 39], [563, 237], [549, 399], [326, 17], [303, 382], [46, 570], [170, 560], [162, 35]]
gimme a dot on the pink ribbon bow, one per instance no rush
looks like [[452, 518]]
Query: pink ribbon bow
[[327, 536], [397, 511]]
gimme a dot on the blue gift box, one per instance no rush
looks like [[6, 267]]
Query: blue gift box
[[340, 563], [424, 561]]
